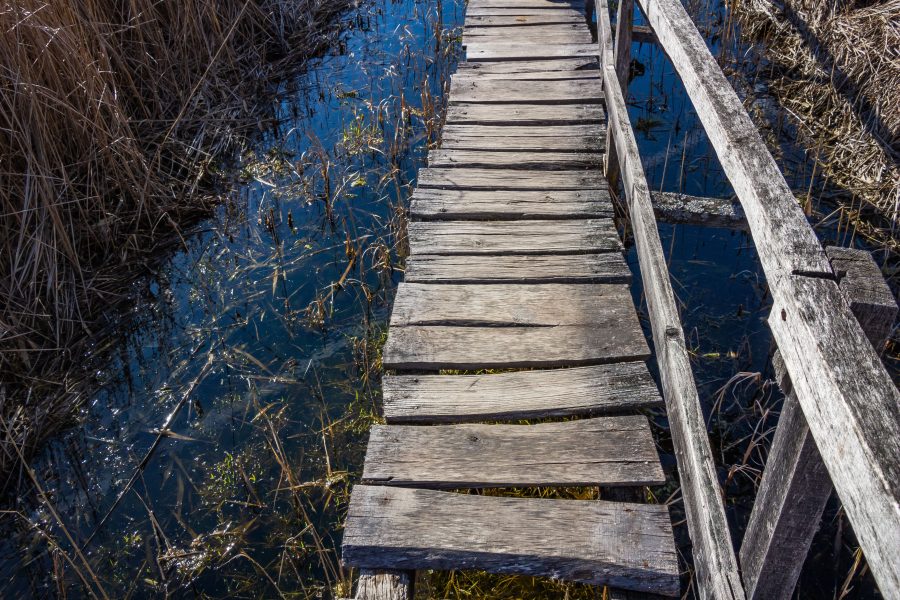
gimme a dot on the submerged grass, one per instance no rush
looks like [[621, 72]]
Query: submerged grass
[[112, 117]]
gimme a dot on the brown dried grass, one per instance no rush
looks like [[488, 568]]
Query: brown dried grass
[[837, 71], [110, 114]]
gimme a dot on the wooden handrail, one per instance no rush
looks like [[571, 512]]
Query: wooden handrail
[[848, 399], [715, 560]]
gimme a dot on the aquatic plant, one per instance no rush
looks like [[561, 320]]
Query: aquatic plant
[[112, 116]]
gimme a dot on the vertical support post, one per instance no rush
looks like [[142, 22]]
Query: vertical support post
[[795, 485], [384, 585], [622, 58]]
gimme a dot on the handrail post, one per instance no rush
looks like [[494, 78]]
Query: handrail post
[[622, 58], [795, 484]]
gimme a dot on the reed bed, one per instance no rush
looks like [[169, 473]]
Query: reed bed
[[835, 66], [113, 116]]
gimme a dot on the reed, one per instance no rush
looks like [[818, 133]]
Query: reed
[[112, 117]]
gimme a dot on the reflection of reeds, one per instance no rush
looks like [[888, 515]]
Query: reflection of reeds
[[837, 71], [110, 113]]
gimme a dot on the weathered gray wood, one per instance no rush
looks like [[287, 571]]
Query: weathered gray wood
[[487, 159], [511, 91], [474, 348], [588, 63], [524, 4], [868, 294], [788, 507], [626, 545], [474, 11], [383, 585], [513, 132], [609, 267], [609, 451], [671, 207], [714, 559], [543, 36], [796, 485], [848, 399], [512, 179], [432, 205], [504, 305], [487, 52], [579, 391], [543, 18], [556, 75], [524, 114], [592, 145], [622, 58], [581, 236]]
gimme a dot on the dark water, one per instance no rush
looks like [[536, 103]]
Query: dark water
[[269, 324]]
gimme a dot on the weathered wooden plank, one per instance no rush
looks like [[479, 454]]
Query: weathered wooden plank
[[579, 391], [714, 558], [581, 236], [852, 412], [526, 4], [472, 348], [609, 267], [610, 451], [383, 585], [524, 114], [588, 63], [501, 143], [487, 52], [671, 207], [515, 131], [556, 75], [519, 12], [525, 29], [795, 486], [543, 305], [544, 17], [622, 57], [784, 240], [512, 91], [455, 205], [512, 179], [488, 159], [849, 401], [626, 545], [533, 35], [869, 296]]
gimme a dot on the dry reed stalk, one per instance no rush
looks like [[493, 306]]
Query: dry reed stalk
[[110, 115], [836, 66]]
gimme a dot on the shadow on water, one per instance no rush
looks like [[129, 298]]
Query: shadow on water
[[252, 357]]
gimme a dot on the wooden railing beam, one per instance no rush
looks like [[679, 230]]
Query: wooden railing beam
[[795, 484], [849, 400], [714, 558]]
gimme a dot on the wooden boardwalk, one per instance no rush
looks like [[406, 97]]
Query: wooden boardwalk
[[515, 305]]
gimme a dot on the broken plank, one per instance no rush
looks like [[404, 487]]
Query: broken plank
[[629, 546], [581, 236], [609, 451], [608, 267], [511, 91], [496, 305], [524, 114], [580, 391], [473, 348], [502, 205], [509, 179], [487, 159]]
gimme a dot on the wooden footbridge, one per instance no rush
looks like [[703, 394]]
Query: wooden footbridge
[[520, 360]]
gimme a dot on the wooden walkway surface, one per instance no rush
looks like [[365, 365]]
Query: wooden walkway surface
[[515, 306]]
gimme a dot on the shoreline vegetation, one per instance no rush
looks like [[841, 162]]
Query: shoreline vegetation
[[835, 68], [113, 119]]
